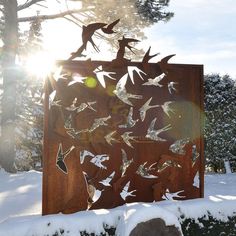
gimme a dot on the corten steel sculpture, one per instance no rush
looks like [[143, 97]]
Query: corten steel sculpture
[[121, 131]]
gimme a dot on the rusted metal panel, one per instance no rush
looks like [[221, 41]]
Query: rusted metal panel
[[91, 163]]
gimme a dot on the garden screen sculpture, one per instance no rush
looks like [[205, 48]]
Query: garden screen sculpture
[[121, 131]]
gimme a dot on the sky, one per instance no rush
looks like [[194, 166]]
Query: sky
[[201, 32]]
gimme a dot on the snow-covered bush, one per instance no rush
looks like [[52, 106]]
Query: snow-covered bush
[[220, 124]]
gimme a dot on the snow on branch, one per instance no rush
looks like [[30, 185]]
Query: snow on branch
[[28, 4], [51, 16]]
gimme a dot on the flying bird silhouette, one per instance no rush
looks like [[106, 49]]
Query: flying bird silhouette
[[143, 171], [163, 63], [125, 192], [109, 138], [124, 43], [76, 78], [178, 146], [100, 74], [121, 92], [167, 109], [60, 160], [143, 110], [78, 53], [109, 29], [84, 154], [156, 81], [107, 182], [126, 138], [98, 159], [132, 69], [99, 122], [72, 107], [84, 105], [68, 122], [171, 86], [171, 196], [96, 193], [125, 162], [153, 134], [95, 159], [130, 122], [147, 57], [75, 134], [87, 33]]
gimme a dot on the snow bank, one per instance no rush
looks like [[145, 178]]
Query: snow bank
[[20, 209], [140, 212]]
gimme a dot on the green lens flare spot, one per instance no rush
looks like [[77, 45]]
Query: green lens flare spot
[[90, 82]]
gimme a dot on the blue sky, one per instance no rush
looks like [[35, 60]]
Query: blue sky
[[201, 32]]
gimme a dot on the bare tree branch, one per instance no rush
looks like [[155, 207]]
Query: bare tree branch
[[28, 4], [67, 18], [50, 17]]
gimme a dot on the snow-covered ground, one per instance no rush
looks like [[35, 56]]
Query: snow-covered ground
[[20, 207]]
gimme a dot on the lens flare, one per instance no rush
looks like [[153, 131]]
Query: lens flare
[[40, 64]]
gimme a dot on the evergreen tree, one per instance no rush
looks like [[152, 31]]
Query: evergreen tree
[[220, 125]]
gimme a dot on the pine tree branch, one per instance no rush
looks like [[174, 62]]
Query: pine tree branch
[[28, 4], [50, 17]]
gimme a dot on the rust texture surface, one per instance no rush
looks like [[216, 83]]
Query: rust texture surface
[[99, 149], [121, 131]]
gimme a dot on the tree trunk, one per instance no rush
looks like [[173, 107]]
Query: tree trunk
[[9, 73]]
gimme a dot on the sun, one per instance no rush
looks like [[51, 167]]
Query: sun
[[39, 64]]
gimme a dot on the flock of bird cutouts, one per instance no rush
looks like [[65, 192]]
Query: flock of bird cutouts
[[126, 97]]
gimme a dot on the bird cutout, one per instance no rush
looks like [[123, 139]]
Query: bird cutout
[[171, 87], [109, 29], [100, 74], [51, 100], [196, 180], [97, 194], [107, 182], [168, 164], [58, 74], [60, 160], [195, 153], [144, 171], [178, 146], [125, 192], [98, 159], [132, 69], [147, 57], [156, 81], [124, 43], [85, 105], [95, 159], [143, 110], [76, 78], [72, 107], [99, 122], [75, 134], [87, 33], [130, 122], [109, 138], [68, 122], [167, 109], [84, 154], [170, 196], [121, 92], [126, 138], [125, 162], [163, 63], [153, 134]]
